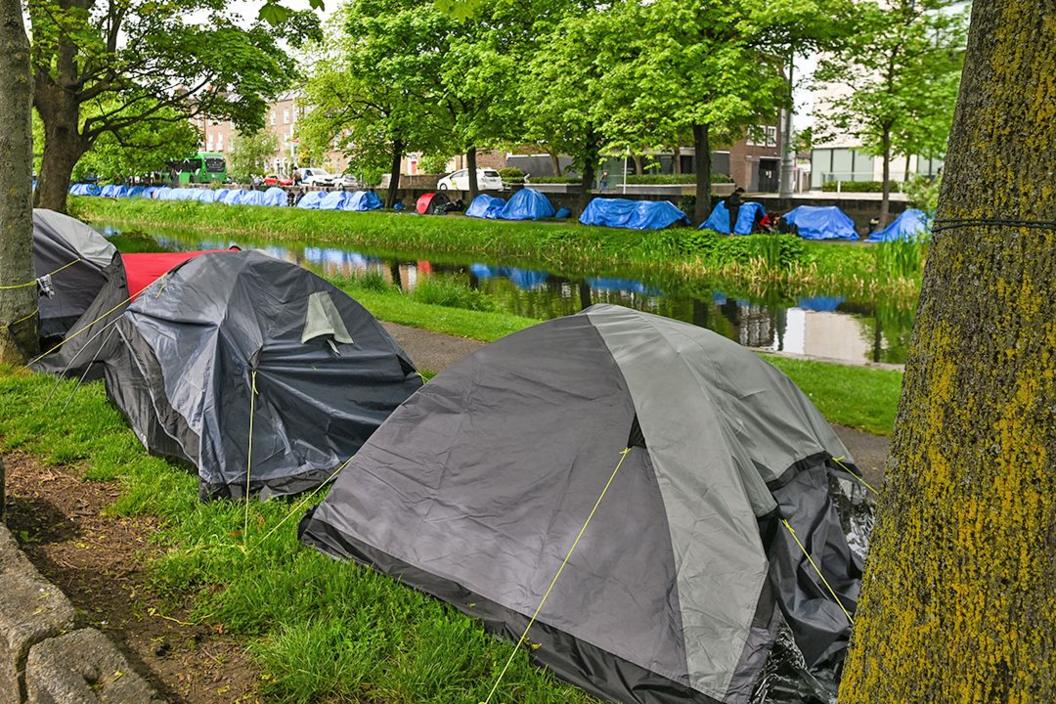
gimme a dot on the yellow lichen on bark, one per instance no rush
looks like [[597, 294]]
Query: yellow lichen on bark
[[959, 596]]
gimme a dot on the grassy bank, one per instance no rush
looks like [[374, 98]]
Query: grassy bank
[[858, 397], [680, 254], [320, 630]]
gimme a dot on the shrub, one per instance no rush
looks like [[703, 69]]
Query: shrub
[[776, 251], [555, 179], [433, 164], [923, 192], [855, 187], [444, 291], [663, 179]]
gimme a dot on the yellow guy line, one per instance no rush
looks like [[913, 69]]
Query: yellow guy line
[[792, 532], [27, 284], [249, 452], [855, 475], [546, 594], [73, 335]]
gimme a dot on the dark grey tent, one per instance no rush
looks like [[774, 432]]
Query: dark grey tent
[[475, 489], [80, 262], [326, 372]]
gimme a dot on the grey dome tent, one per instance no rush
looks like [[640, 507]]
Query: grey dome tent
[[80, 262], [191, 348], [474, 490]]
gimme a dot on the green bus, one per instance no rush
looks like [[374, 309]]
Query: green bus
[[203, 167]]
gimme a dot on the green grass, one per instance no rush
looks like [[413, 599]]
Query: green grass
[[864, 398], [673, 257], [857, 397], [320, 630]]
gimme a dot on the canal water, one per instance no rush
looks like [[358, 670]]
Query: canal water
[[824, 325]]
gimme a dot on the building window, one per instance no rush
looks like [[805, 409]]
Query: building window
[[285, 117], [762, 136], [273, 117]]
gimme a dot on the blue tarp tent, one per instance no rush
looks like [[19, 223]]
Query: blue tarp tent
[[233, 197], [206, 196], [109, 191], [526, 279], [275, 197], [821, 304], [910, 225], [485, 206], [135, 192], [253, 198], [221, 195], [121, 192], [527, 204], [161, 194], [85, 189], [747, 214], [149, 192], [334, 200], [821, 223], [633, 214], [363, 200], [311, 200]]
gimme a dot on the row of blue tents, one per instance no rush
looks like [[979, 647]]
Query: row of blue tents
[[274, 197], [809, 222]]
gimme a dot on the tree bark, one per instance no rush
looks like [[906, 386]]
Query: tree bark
[[586, 181], [637, 159], [702, 161], [394, 173], [676, 160], [959, 600], [471, 166], [885, 198], [788, 155], [18, 321], [556, 161]]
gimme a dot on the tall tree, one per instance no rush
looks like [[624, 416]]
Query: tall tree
[[959, 601], [702, 68], [142, 64], [18, 295], [250, 153], [374, 93], [888, 70]]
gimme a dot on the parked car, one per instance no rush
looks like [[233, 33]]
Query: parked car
[[487, 180], [276, 180], [346, 181], [315, 177]]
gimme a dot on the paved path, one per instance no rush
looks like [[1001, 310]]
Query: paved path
[[433, 351]]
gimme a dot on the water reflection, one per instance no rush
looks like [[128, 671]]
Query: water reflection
[[823, 325]]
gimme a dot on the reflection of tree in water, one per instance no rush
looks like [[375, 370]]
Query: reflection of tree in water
[[888, 326]]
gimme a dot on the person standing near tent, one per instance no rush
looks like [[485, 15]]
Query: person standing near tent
[[603, 182], [733, 207]]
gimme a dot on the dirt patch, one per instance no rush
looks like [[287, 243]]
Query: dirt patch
[[99, 562]]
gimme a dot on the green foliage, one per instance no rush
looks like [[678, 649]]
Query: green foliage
[[555, 179], [853, 187], [249, 154], [902, 66], [923, 193], [138, 148], [512, 175], [660, 179], [445, 291], [433, 164], [900, 258]]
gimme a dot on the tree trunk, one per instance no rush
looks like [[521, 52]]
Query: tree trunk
[[586, 181], [702, 160], [959, 600], [788, 152], [676, 160], [59, 108], [394, 173], [62, 151], [18, 321], [907, 173], [885, 198], [637, 159], [471, 166], [556, 161]]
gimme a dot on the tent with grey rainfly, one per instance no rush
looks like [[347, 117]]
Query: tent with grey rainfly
[[694, 449], [230, 336]]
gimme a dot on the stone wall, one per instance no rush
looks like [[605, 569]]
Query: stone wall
[[44, 659]]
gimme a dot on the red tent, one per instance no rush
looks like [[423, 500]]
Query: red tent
[[431, 203], [141, 270]]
